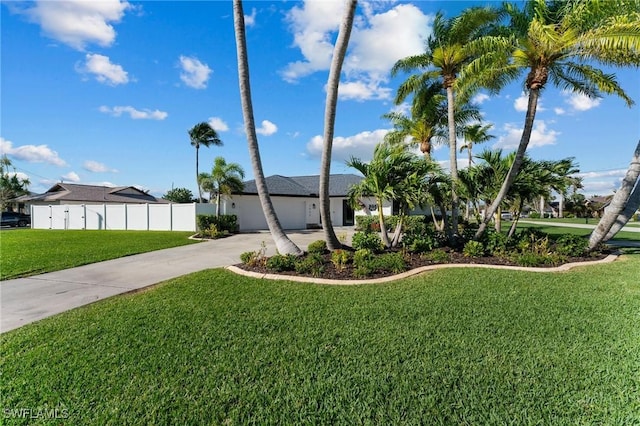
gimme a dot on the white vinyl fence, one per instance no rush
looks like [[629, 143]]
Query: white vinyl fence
[[146, 217]]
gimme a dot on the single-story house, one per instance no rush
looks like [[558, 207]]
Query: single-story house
[[296, 201], [72, 193]]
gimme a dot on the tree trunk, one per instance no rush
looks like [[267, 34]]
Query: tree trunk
[[453, 160], [517, 162], [283, 244], [621, 200], [633, 203], [329, 123], [198, 177], [383, 227], [218, 204], [561, 206]]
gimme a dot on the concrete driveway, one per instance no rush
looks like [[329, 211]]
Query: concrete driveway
[[25, 300]]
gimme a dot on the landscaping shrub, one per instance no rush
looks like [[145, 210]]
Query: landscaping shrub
[[226, 222], [250, 258], [571, 245], [473, 249], [532, 259], [534, 215], [437, 256], [213, 232], [363, 263], [340, 258], [495, 243], [312, 264], [390, 262], [421, 244], [364, 240], [319, 246], [365, 223], [282, 262]]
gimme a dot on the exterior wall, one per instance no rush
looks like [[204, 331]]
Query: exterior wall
[[291, 211], [371, 208], [154, 217]]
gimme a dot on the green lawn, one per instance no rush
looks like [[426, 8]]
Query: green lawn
[[559, 230], [27, 252], [448, 347], [581, 221]]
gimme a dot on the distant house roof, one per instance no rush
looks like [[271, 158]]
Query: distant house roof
[[304, 186], [72, 192]]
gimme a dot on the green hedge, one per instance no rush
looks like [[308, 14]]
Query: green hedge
[[372, 224], [226, 222]]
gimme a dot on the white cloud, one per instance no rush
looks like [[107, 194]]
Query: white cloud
[[481, 98], [104, 70], [96, 167], [218, 124], [580, 102], [617, 173], [250, 20], [559, 111], [145, 114], [267, 128], [359, 146], [194, 73], [71, 177], [31, 153], [521, 103], [77, 22], [377, 41], [363, 90], [540, 136]]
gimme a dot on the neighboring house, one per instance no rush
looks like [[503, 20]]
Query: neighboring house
[[295, 200], [72, 193], [598, 205]]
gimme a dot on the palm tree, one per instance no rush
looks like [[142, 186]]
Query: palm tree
[[474, 134], [445, 55], [557, 41], [283, 244], [329, 123], [206, 184], [393, 174], [226, 178], [625, 202], [205, 135]]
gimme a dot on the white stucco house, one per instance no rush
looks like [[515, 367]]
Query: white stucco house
[[296, 201]]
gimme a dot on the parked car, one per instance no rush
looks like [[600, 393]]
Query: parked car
[[506, 216], [14, 219]]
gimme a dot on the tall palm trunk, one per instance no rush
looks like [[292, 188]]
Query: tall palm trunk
[[534, 94], [283, 243], [198, 176], [453, 160], [621, 200], [633, 204], [329, 123], [218, 202]]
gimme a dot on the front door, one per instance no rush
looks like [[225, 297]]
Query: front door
[[347, 214]]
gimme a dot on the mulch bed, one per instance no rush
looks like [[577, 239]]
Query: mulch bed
[[415, 261]]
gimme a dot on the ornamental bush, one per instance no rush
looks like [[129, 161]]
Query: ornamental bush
[[571, 245], [319, 246], [282, 262], [363, 240]]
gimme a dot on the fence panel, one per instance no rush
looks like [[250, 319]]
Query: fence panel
[[155, 217]]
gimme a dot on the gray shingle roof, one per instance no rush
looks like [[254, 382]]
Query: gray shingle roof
[[94, 194], [304, 186]]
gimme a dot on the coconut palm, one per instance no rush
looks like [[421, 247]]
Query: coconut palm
[[329, 122], [625, 202], [284, 245], [561, 42], [393, 174], [202, 134], [11, 186], [443, 59], [474, 134], [206, 184], [226, 178]]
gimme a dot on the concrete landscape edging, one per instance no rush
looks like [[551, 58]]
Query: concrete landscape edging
[[562, 268]]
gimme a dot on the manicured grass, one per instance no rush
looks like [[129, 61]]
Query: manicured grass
[[559, 230], [580, 221], [34, 251], [448, 347]]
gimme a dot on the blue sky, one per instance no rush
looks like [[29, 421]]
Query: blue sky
[[105, 92]]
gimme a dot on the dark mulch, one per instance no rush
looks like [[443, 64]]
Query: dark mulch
[[413, 260]]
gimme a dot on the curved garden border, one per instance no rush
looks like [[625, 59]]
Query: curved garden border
[[561, 268]]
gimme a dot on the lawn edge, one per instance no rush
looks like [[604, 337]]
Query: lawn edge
[[562, 268]]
